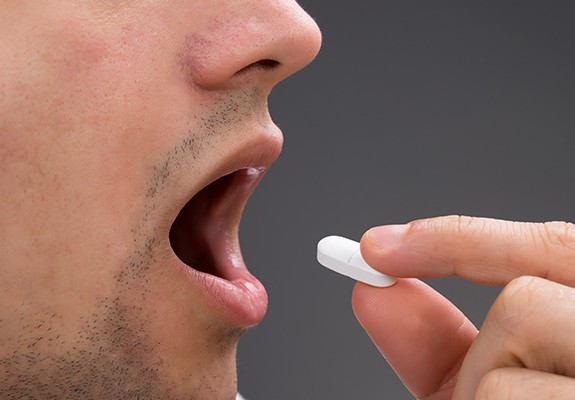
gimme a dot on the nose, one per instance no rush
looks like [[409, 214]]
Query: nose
[[257, 41]]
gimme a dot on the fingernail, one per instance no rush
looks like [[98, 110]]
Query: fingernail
[[384, 237]]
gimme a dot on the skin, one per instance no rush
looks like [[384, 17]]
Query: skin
[[112, 115], [524, 349]]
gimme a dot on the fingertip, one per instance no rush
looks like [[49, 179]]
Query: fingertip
[[381, 248], [385, 236]]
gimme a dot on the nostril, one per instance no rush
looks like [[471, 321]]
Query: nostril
[[266, 64]]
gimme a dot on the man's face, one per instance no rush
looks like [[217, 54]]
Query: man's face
[[131, 135]]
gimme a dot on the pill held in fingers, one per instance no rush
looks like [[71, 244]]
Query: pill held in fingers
[[342, 255]]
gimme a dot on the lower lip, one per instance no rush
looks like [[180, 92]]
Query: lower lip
[[242, 301]]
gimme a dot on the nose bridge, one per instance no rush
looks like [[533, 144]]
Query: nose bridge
[[254, 32]]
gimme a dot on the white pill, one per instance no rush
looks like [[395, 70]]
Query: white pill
[[342, 255]]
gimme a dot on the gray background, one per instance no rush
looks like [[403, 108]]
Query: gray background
[[413, 109]]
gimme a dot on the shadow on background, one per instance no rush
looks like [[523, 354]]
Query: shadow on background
[[413, 109]]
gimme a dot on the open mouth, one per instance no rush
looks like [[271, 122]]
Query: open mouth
[[204, 235]]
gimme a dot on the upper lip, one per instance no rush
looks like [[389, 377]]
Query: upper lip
[[260, 154], [257, 154]]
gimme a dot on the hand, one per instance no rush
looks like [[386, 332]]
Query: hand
[[526, 346]]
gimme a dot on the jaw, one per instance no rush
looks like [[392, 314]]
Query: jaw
[[203, 296]]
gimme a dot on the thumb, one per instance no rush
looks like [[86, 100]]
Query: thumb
[[420, 333]]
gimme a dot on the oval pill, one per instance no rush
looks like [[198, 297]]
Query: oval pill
[[342, 255]]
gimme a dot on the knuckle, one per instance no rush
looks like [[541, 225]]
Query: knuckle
[[558, 233], [458, 224], [529, 308], [465, 224], [494, 385], [522, 297], [556, 241]]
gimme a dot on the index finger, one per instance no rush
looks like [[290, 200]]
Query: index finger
[[482, 250]]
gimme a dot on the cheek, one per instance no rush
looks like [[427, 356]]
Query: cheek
[[92, 104], [79, 125]]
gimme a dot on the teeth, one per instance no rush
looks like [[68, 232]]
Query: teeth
[[255, 171], [236, 259]]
